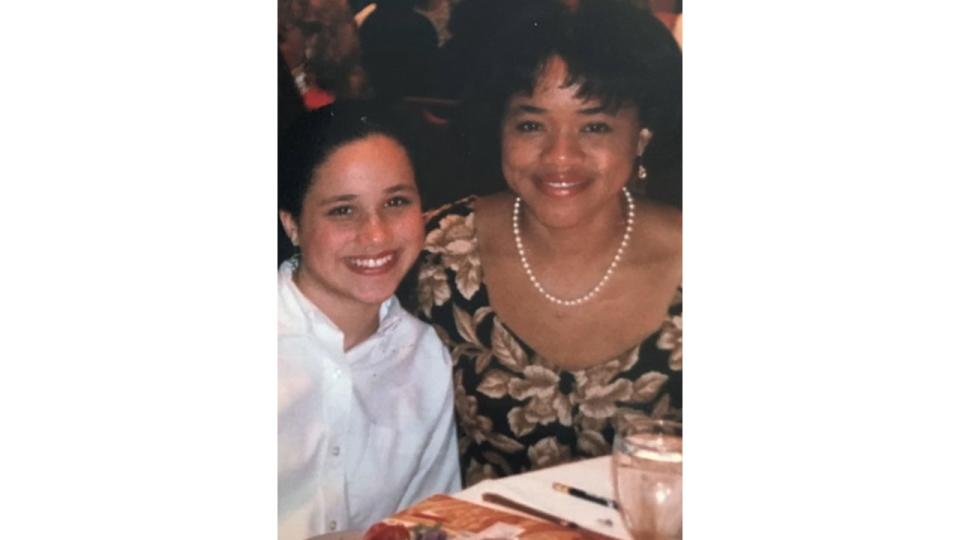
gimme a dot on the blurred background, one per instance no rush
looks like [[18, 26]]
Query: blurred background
[[418, 56]]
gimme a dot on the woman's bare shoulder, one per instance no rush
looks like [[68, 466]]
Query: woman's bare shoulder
[[660, 218], [491, 219], [495, 204]]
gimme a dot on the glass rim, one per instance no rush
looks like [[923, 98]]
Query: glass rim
[[659, 421], [652, 422], [655, 426]]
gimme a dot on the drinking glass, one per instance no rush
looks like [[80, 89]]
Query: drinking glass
[[648, 478]]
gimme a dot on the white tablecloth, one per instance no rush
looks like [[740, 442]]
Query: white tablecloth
[[535, 489]]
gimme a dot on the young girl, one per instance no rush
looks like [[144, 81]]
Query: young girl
[[365, 396]]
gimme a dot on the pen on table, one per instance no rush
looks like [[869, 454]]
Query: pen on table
[[581, 494]]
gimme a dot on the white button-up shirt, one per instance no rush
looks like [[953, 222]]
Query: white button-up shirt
[[365, 432]]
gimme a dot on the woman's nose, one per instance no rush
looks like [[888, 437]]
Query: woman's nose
[[561, 147]]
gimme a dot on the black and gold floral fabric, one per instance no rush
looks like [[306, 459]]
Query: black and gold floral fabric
[[515, 411]]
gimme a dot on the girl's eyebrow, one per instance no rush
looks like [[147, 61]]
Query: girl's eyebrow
[[346, 197], [398, 188]]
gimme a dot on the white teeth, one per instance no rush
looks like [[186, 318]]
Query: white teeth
[[561, 185], [371, 263]]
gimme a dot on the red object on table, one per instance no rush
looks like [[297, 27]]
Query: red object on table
[[457, 518], [383, 531]]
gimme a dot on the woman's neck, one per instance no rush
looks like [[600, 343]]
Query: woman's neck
[[585, 239]]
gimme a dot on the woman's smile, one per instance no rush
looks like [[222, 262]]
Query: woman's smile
[[562, 185]]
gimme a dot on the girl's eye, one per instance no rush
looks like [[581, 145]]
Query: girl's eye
[[398, 201], [528, 127], [340, 211], [597, 127]]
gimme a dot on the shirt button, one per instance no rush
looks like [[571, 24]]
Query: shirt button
[[332, 525], [335, 451]]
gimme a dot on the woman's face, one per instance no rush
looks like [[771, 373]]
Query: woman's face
[[361, 228], [565, 157]]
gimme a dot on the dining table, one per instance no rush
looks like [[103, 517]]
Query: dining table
[[535, 489]]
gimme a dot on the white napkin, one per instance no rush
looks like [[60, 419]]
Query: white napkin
[[535, 489]]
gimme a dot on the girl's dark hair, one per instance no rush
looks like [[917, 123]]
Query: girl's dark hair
[[616, 52], [308, 143]]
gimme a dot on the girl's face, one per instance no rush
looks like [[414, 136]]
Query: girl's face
[[361, 227], [567, 157]]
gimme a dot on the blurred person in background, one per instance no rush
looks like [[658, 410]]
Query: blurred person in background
[[322, 49], [438, 11], [399, 49]]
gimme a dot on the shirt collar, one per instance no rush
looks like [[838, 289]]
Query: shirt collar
[[390, 311]]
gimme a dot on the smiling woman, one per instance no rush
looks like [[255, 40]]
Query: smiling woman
[[365, 408], [560, 298]]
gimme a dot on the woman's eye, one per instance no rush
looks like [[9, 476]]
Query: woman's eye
[[597, 127], [398, 201], [528, 127], [340, 211]]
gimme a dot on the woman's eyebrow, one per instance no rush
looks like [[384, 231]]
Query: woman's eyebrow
[[599, 109], [596, 110], [526, 109]]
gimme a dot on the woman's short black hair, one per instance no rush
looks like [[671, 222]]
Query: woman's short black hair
[[617, 53], [308, 143]]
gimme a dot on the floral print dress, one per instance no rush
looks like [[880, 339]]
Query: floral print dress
[[515, 411]]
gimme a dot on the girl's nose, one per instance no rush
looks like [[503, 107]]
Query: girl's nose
[[375, 230]]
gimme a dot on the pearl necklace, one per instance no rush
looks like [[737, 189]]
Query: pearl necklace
[[606, 275]]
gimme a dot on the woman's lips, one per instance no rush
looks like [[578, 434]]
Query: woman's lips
[[561, 186], [372, 265]]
